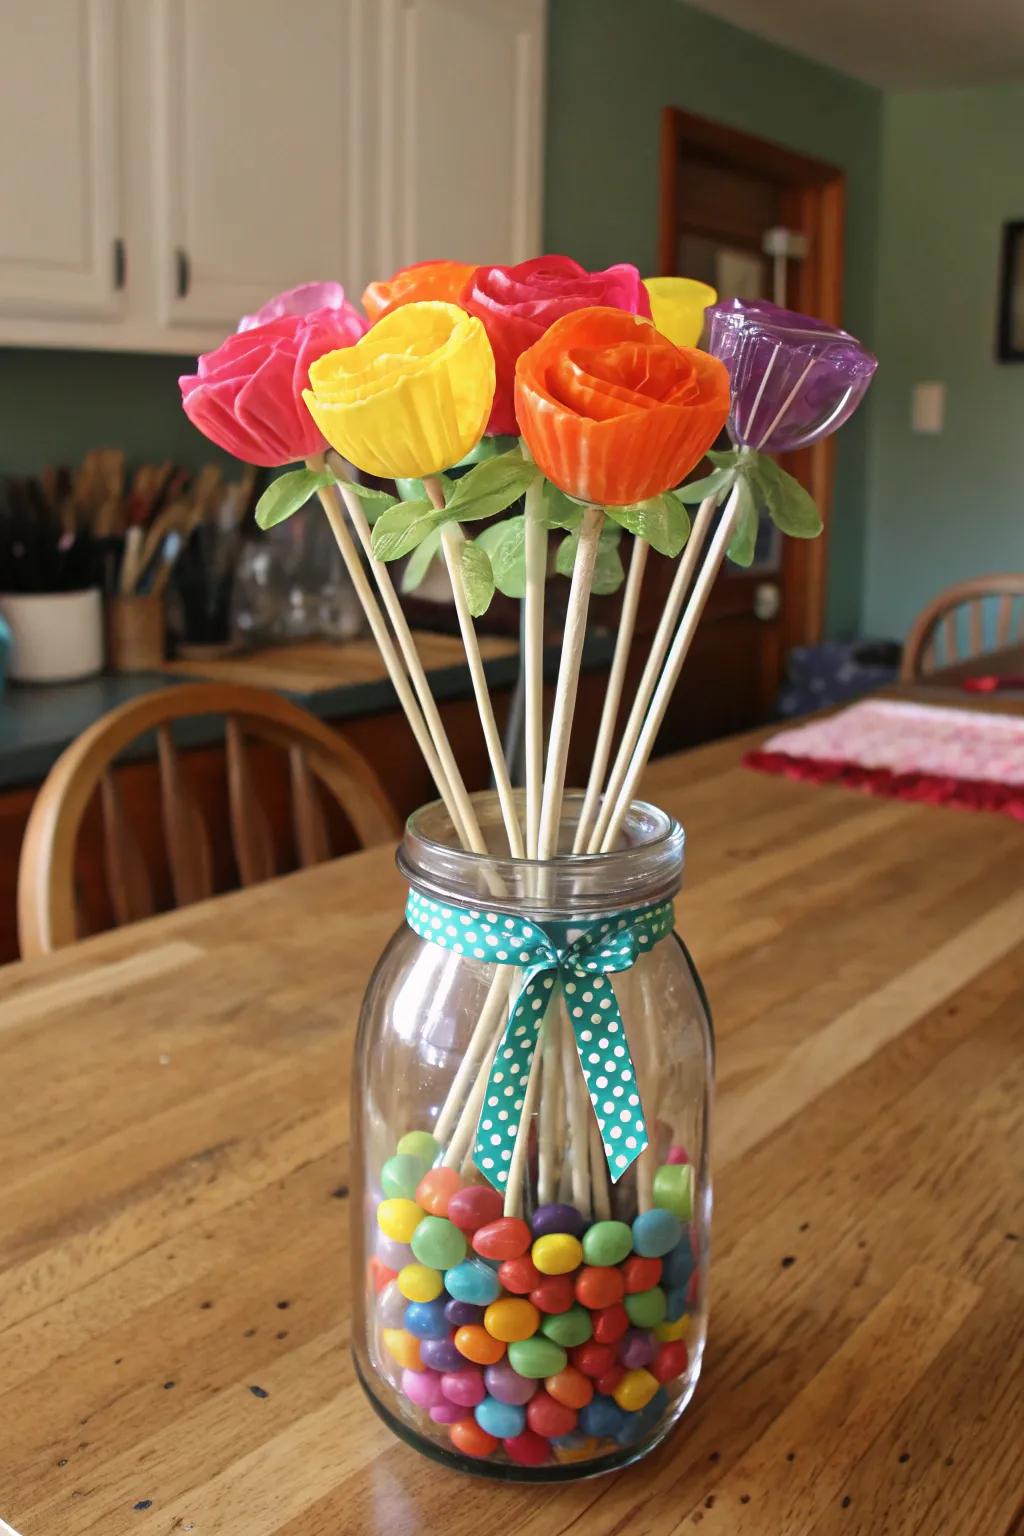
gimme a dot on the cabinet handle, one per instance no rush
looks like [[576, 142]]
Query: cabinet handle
[[120, 263], [184, 270]]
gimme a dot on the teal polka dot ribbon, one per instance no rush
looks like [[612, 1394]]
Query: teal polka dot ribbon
[[582, 968]]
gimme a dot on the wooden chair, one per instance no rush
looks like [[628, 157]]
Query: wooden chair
[[934, 639], [47, 906]]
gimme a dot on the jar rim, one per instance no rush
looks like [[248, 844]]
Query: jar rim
[[647, 869]]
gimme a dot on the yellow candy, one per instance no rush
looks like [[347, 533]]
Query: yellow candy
[[417, 1282], [398, 1219], [511, 1319], [635, 1390], [576, 1452], [669, 1332], [401, 1346], [557, 1254]]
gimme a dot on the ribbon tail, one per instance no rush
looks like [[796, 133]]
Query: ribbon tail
[[608, 1070], [505, 1093]]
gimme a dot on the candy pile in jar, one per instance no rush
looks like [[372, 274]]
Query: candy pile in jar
[[553, 1340]]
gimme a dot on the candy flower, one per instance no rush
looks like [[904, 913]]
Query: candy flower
[[411, 397], [302, 301], [612, 412], [677, 307], [424, 280], [517, 304], [246, 395], [794, 380]]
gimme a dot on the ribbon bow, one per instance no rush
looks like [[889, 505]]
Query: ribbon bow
[[581, 968]]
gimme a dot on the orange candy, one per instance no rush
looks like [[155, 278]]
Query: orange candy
[[639, 1274], [442, 280], [380, 1274], [600, 1286], [476, 1344], [570, 1388], [403, 1348], [471, 1440], [612, 411], [436, 1188]]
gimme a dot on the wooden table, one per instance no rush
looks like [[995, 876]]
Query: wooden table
[[174, 1201]]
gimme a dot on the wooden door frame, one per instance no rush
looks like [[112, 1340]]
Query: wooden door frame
[[813, 204]]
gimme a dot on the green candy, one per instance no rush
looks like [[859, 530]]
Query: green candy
[[673, 1189], [420, 1144], [401, 1174], [646, 1309], [606, 1243], [568, 1328], [438, 1243], [537, 1357]]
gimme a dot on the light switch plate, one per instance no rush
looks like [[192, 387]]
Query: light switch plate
[[928, 408]]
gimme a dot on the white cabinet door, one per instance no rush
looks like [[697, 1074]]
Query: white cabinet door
[[462, 104], [257, 157], [60, 254]]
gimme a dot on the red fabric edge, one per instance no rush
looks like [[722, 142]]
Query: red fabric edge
[[924, 788]]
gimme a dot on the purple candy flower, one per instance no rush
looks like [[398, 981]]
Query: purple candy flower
[[794, 380]]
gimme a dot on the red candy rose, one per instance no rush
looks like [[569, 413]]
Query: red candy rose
[[517, 304]]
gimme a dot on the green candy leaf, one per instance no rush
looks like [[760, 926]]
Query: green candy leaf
[[374, 502], [420, 560], [414, 490], [288, 493], [487, 448], [744, 539], [556, 509], [661, 520], [790, 507], [402, 527], [477, 578], [491, 487], [719, 481], [505, 544], [608, 572]]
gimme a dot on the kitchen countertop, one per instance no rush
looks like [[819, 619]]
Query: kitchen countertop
[[174, 1320]]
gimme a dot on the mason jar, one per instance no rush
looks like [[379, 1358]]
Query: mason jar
[[530, 1118]]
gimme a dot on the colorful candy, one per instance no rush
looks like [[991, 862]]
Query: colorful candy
[[548, 1417], [441, 1354], [657, 1231], [671, 1360], [459, 1313], [607, 1242], [423, 1388], [557, 1218], [500, 1419], [473, 1282], [593, 1359], [673, 1189], [610, 1323], [668, 1332], [418, 1283], [507, 1385], [401, 1174], [435, 1190], [398, 1219], [419, 1144], [602, 1286], [635, 1390], [570, 1387], [506, 1238], [647, 1308], [556, 1293], [528, 1449], [477, 1345], [569, 1328], [474, 1206], [391, 1306], [512, 1319], [519, 1276], [465, 1386], [640, 1274], [426, 1320], [537, 1357], [471, 1440], [438, 1243], [559, 1253], [637, 1348], [601, 1416], [402, 1348]]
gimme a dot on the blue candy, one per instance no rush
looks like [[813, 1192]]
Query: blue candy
[[639, 1424], [675, 1303], [655, 1232], [503, 1420], [678, 1266], [601, 1416], [426, 1320], [473, 1282]]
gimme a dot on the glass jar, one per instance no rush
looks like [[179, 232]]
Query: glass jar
[[529, 1283]]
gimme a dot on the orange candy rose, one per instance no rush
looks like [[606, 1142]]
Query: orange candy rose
[[612, 411], [442, 280]]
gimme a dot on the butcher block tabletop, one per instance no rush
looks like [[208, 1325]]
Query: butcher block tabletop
[[174, 1316]]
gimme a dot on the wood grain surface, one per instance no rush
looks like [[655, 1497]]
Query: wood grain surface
[[173, 1207], [312, 666]]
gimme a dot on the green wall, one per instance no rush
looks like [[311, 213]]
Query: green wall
[[612, 67], [951, 506]]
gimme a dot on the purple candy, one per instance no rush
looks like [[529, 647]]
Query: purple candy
[[636, 1348], [459, 1313], [395, 1255], [423, 1388], [465, 1387], [507, 1385], [557, 1218], [447, 1413], [441, 1355]]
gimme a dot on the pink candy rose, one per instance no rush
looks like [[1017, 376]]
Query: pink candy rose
[[302, 301], [247, 395]]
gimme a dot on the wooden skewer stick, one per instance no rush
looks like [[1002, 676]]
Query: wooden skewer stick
[[536, 555], [613, 692], [517, 1166], [451, 547], [486, 1032], [673, 666], [599, 1174], [460, 1146], [655, 660], [568, 681], [550, 1095], [578, 1108]]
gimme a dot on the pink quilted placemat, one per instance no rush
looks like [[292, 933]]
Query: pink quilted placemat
[[908, 751]]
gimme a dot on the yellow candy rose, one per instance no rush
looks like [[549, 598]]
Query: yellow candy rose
[[677, 307], [411, 397]]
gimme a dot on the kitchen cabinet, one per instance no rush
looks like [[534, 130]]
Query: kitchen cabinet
[[182, 160]]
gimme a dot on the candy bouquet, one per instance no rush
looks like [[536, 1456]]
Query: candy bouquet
[[534, 1057]]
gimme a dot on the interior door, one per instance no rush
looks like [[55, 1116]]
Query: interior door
[[462, 106], [60, 253], [260, 153], [732, 205]]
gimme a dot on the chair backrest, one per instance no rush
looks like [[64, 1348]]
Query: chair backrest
[[937, 637], [47, 906]]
